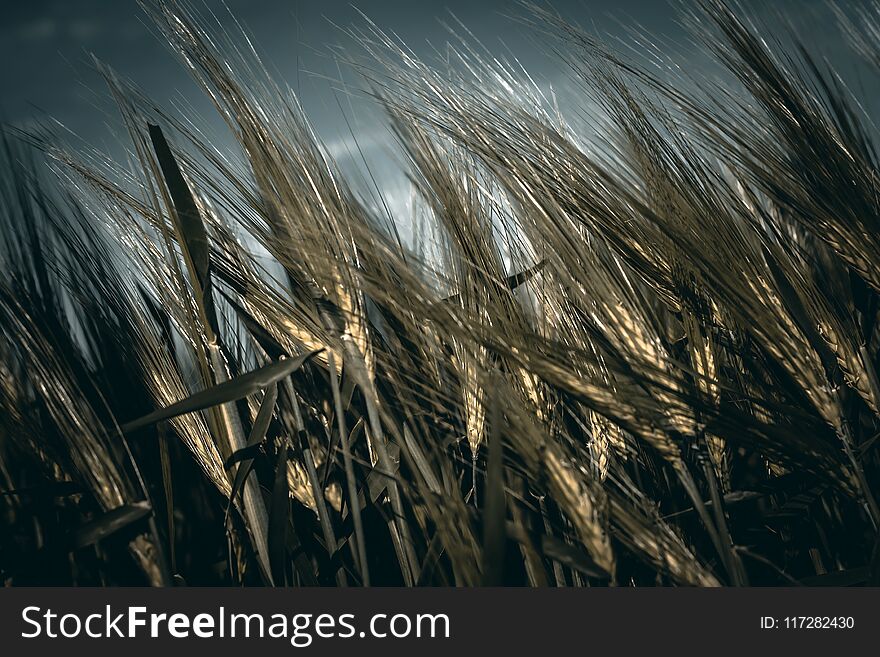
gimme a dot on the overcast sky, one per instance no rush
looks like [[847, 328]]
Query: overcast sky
[[44, 45]]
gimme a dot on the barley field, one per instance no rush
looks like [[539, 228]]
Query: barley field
[[638, 347]]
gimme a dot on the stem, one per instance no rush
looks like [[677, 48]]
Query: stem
[[317, 491], [351, 483], [254, 505]]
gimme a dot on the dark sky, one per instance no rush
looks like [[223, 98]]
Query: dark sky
[[44, 46]]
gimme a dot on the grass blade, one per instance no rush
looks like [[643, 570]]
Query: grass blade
[[232, 390]]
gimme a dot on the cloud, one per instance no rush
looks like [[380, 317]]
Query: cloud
[[345, 147], [40, 30], [46, 29], [82, 30]]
